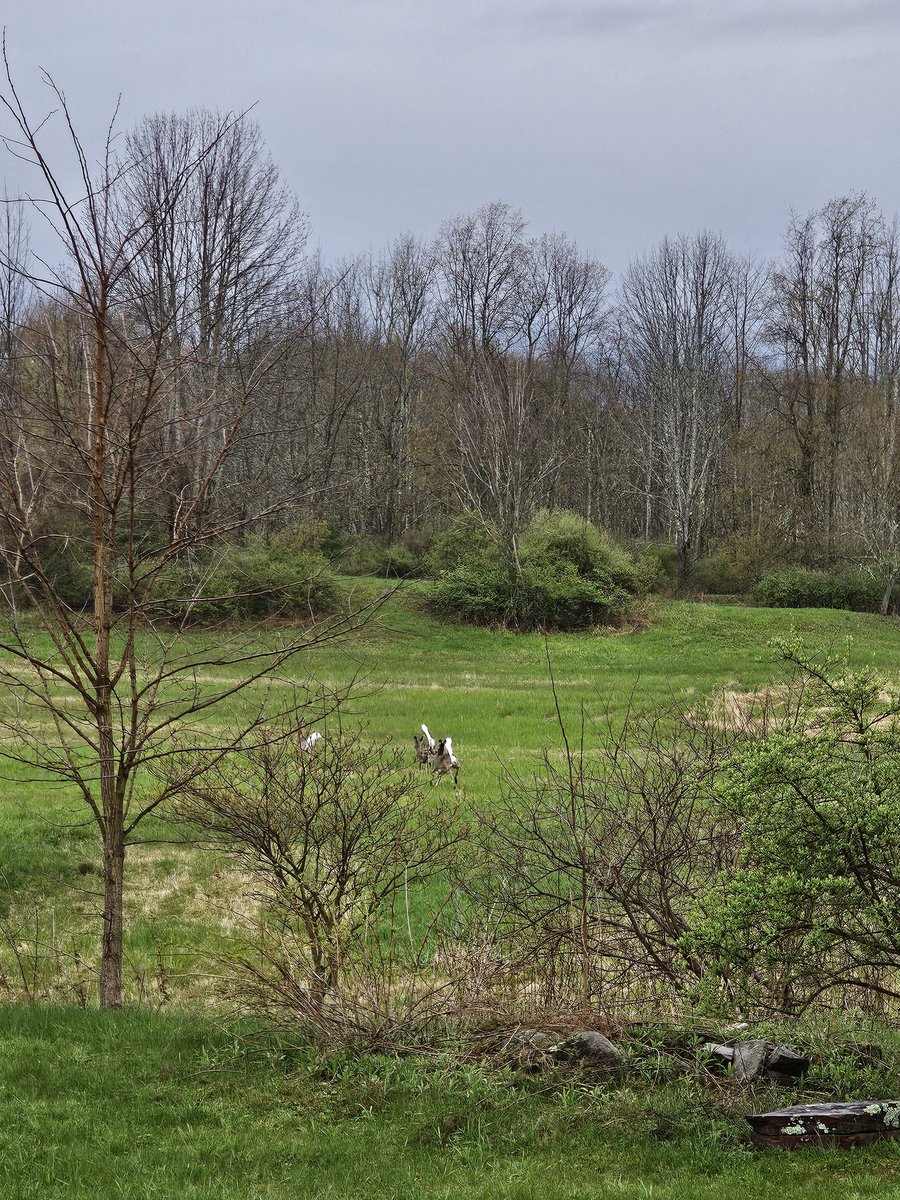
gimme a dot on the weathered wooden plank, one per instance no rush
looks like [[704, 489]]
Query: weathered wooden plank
[[837, 1124]]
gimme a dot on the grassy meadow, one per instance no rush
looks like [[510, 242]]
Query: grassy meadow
[[169, 1100]]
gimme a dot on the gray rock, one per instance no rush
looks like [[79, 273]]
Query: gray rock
[[529, 1049], [786, 1062], [750, 1058], [590, 1049]]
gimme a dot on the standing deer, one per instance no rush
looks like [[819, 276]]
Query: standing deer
[[445, 761]]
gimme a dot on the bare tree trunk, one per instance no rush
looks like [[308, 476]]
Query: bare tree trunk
[[113, 913], [886, 598]]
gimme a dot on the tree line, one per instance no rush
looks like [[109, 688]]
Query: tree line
[[710, 402]]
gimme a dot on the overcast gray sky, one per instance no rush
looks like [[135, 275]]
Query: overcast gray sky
[[617, 121]]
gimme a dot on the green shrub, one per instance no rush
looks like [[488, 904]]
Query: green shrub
[[719, 574], [568, 574], [286, 575], [71, 573], [864, 591], [800, 587], [468, 535], [365, 556], [253, 580], [658, 564], [735, 564], [333, 542], [811, 901], [305, 537], [552, 592], [63, 544], [558, 535]]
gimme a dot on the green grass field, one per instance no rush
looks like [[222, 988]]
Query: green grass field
[[172, 1103]]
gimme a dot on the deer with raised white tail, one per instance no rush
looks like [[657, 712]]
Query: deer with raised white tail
[[445, 761], [426, 748], [308, 741]]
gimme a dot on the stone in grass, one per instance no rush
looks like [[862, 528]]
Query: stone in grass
[[786, 1062], [589, 1049], [750, 1059], [530, 1048]]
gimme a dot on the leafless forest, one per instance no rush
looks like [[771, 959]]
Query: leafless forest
[[717, 404]]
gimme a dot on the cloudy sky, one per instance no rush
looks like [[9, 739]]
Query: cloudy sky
[[617, 121]]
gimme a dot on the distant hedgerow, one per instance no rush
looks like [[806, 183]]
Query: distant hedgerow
[[800, 587]]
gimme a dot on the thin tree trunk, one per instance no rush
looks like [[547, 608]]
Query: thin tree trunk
[[888, 593], [113, 825], [113, 922]]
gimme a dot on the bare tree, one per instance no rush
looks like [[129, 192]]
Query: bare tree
[[676, 304], [566, 310], [482, 263], [523, 329], [15, 290], [818, 293], [398, 432], [88, 433], [488, 396], [506, 453], [215, 273]]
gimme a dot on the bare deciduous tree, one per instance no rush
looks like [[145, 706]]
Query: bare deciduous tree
[[96, 697], [676, 305], [818, 292]]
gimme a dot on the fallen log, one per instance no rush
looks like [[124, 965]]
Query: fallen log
[[837, 1125]]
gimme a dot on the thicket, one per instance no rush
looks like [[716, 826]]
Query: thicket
[[801, 587], [282, 576], [286, 574], [562, 573], [812, 902], [334, 843], [742, 858]]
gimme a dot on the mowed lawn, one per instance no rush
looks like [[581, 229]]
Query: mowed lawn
[[171, 1103]]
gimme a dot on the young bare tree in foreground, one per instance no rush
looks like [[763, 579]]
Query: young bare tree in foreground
[[117, 436]]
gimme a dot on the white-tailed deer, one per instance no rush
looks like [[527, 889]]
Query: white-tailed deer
[[426, 748], [307, 741], [445, 761]]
